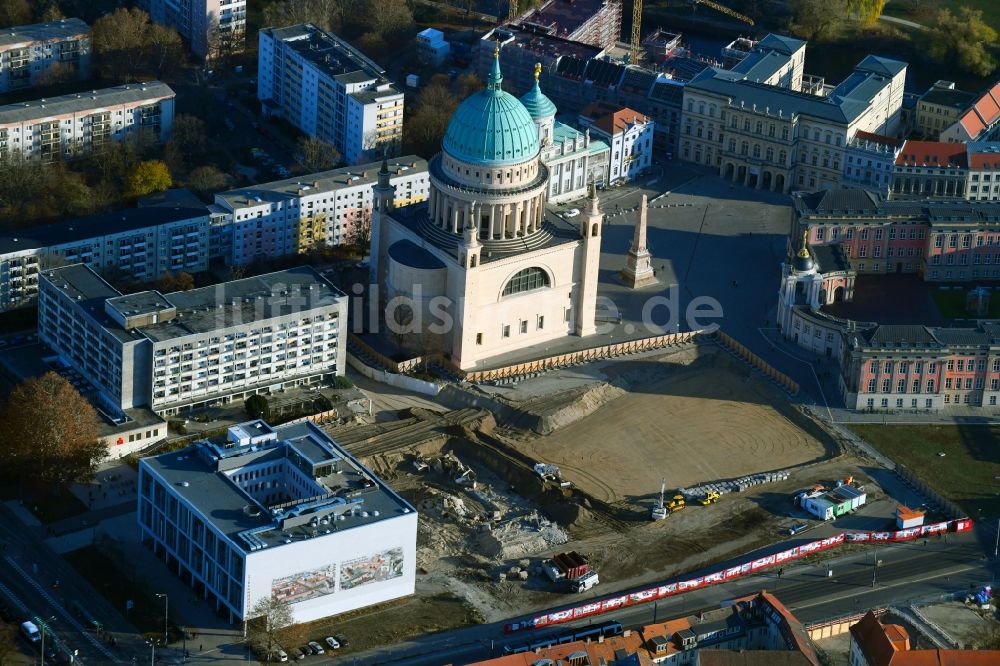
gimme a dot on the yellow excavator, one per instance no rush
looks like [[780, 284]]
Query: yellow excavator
[[710, 498]]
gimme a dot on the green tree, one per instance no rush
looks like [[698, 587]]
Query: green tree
[[50, 431], [14, 12], [965, 39], [817, 19], [315, 154], [257, 407], [147, 177]]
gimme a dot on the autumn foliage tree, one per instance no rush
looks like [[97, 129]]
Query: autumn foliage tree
[[50, 432], [423, 131], [130, 45], [147, 177]]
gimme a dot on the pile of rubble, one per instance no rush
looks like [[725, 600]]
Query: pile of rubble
[[734, 486], [519, 537]]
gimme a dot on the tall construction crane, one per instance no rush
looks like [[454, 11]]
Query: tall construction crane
[[633, 52], [723, 10]]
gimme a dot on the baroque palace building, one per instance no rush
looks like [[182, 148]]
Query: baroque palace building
[[480, 259]]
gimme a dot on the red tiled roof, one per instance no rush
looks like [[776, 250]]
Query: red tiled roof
[[878, 138], [932, 153], [988, 108], [889, 645], [611, 119], [972, 124], [984, 160]]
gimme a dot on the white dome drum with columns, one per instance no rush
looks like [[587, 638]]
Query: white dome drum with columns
[[510, 278]]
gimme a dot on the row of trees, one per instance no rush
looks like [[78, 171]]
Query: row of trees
[[130, 46], [376, 23], [31, 191], [23, 12], [959, 39]]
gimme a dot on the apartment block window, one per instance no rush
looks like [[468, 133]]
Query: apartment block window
[[506, 330], [524, 326], [479, 338], [540, 324]]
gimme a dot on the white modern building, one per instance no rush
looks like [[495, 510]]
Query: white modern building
[[44, 53], [479, 271], [432, 49], [278, 511], [72, 125], [193, 348], [299, 214], [330, 90], [629, 135], [211, 27], [140, 243]]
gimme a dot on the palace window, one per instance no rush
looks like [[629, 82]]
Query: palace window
[[528, 279]]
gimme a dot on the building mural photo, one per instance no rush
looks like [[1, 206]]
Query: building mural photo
[[305, 585], [374, 568]]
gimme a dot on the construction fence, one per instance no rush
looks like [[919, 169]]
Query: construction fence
[[946, 506], [581, 356], [757, 362]]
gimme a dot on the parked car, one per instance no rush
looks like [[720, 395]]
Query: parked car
[[572, 212], [332, 642], [280, 656], [317, 648], [296, 654], [307, 650]]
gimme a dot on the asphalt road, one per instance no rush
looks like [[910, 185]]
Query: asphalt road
[[908, 572], [30, 570]]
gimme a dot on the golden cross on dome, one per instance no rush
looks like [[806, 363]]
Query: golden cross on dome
[[538, 70], [804, 250]]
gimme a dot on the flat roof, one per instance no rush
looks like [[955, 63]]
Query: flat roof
[[353, 497], [43, 32], [130, 93], [562, 16], [318, 183], [93, 226], [329, 54], [198, 310], [536, 41]]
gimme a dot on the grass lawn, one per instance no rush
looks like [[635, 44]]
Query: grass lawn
[[951, 303], [968, 474], [118, 587]]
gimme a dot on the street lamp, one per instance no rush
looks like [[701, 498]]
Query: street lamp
[[874, 564], [166, 614], [42, 624], [152, 652]]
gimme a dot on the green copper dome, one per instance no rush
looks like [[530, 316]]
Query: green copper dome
[[491, 126], [535, 101]]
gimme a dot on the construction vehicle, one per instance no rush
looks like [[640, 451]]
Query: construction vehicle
[[676, 504], [660, 512], [711, 497]]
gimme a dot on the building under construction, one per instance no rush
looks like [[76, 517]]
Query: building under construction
[[594, 22]]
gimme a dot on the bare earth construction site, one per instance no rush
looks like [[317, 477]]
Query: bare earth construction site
[[614, 429]]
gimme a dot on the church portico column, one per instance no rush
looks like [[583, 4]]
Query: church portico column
[[493, 219], [432, 206], [454, 217], [529, 211]]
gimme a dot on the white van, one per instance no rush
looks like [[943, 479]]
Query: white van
[[30, 632]]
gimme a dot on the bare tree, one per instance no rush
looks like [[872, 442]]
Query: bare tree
[[268, 617], [359, 234], [315, 154], [324, 14]]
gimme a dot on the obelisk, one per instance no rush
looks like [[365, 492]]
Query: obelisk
[[638, 271]]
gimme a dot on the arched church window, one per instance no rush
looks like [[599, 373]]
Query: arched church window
[[528, 279]]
